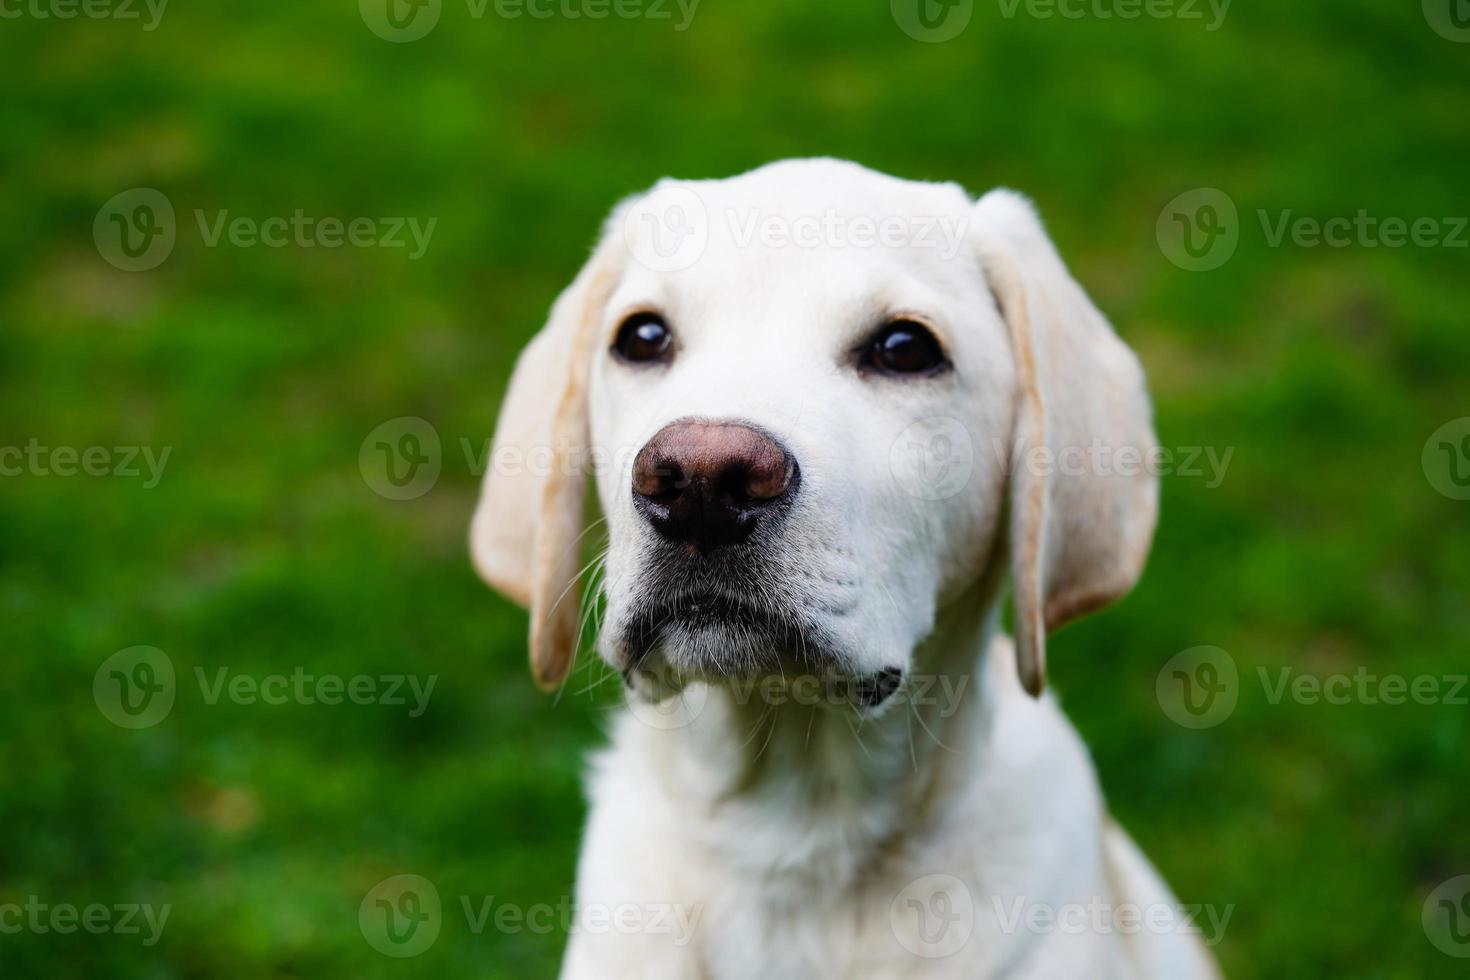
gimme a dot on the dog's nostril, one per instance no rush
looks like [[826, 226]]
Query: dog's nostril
[[770, 477], [659, 478]]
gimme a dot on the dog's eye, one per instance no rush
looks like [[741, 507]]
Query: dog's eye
[[643, 337], [904, 347]]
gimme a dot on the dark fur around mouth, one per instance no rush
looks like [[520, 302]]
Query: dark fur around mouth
[[719, 634], [724, 615]]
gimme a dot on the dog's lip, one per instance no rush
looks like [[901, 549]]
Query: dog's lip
[[703, 611], [833, 687]]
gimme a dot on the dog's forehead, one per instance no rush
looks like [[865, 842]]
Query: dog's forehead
[[798, 186], [804, 236]]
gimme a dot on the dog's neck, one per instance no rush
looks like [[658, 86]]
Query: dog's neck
[[821, 790]]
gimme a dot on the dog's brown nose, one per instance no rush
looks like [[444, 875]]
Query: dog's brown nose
[[710, 484]]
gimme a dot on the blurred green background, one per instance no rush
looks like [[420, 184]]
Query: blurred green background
[[263, 547]]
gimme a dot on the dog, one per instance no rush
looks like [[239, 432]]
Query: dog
[[829, 414]]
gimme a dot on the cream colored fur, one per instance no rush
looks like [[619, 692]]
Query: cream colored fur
[[793, 839]]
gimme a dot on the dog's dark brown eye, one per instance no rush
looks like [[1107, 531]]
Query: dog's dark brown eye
[[904, 347], [643, 337]]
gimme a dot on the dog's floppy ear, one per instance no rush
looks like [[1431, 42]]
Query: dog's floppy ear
[[1083, 483], [524, 536]]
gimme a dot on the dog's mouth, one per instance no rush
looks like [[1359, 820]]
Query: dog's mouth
[[723, 638], [711, 635]]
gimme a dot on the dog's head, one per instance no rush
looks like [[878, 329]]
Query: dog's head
[[819, 403]]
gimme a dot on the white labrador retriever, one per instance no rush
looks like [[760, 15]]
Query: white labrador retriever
[[828, 413]]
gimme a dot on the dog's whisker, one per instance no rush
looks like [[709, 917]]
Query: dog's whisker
[[858, 738], [770, 730], [756, 727], [884, 586], [570, 585], [597, 562], [931, 734], [913, 756]]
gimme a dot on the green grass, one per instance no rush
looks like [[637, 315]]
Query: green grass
[[262, 549]]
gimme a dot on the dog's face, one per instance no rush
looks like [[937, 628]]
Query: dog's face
[[802, 427], [783, 419]]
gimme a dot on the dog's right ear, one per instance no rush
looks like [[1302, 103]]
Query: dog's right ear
[[524, 535], [1079, 536]]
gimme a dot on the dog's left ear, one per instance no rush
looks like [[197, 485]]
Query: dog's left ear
[[524, 535], [1084, 492]]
